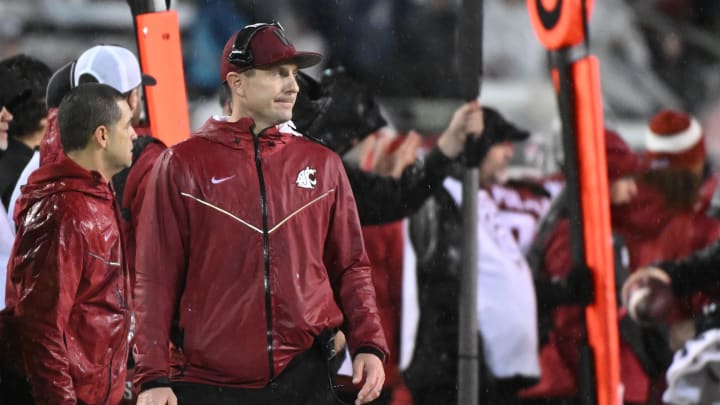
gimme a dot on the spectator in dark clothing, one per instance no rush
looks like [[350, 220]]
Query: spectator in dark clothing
[[436, 232], [340, 112], [12, 90], [29, 121]]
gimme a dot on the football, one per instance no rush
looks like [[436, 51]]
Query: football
[[648, 296]]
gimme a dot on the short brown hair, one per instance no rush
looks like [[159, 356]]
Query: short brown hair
[[83, 110]]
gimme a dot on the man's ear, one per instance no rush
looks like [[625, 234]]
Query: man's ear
[[133, 98], [234, 80], [100, 136]]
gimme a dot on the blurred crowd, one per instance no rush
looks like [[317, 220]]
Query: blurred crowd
[[367, 104], [652, 53]]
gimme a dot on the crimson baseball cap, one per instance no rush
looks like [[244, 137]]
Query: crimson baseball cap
[[260, 46]]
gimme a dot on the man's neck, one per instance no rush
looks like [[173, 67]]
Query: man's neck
[[237, 115], [92, 162]]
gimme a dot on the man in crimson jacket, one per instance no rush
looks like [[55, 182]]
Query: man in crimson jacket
[[249, 249], [69, 284]]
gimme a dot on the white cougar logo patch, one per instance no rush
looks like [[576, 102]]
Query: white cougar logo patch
[[306, 178]]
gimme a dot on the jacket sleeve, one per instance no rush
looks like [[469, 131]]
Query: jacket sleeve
[[350, 274], [134, 195], [138, 178], [160, 262], [385, 199], [47, 267], [697, 272]]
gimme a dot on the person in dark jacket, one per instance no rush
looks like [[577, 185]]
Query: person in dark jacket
[[437, 240], [69, 285], [339, 111], [29, 121], [13, 89], [250, 251]]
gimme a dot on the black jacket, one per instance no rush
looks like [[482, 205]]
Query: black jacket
[[700, 271], [12, 164], [437, 233], [382, 199]]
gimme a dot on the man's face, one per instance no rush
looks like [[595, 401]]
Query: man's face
[[269, 94], [5, 118], [120, 139], [622, 190], [133, 100], [492, 168]]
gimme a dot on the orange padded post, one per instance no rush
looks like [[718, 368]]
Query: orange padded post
[[158, 35], [559, 26], [601, 315]]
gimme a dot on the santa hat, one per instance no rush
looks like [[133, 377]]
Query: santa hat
[[674, 139], [621, 160]]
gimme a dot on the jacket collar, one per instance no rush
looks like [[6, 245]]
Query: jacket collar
[[61, 176], [238, 133]]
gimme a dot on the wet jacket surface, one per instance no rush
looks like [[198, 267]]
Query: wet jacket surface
[[252, 247], [134, 194], [51, 147], [69, 286]]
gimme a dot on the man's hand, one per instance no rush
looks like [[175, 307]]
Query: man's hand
[[468, 119], [406, 154], [339, 342], [369, 366], [647, 295], [157, 396]]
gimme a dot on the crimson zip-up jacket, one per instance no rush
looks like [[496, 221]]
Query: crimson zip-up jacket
[[251, 246], [69, 287]]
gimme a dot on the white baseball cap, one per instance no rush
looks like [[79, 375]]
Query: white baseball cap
[[112, 65]]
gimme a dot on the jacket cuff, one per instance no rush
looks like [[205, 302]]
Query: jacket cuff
[[436, 159], [678, 283], [156, 383], [371, 350]]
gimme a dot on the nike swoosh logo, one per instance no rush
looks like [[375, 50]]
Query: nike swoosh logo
[[213, 180]]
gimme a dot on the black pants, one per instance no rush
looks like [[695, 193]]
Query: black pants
[[305, 381]]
